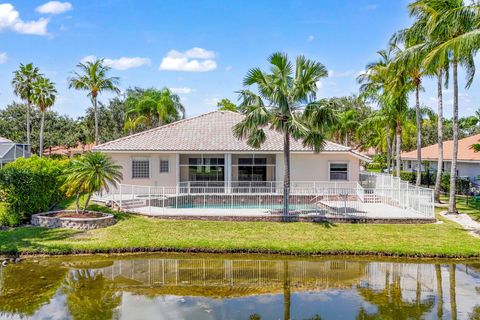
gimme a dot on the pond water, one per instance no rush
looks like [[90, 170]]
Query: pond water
[[178, 286]]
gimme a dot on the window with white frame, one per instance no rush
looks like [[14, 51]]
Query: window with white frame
[[164, 165], [339, 171], [140, 168]]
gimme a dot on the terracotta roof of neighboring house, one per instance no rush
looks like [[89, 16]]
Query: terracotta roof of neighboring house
[[207, 132], [63, 150], [465, 153]]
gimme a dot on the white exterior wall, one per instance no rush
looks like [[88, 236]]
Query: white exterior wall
[[316, 167], [303, 167], [156, 178], [464, 169]]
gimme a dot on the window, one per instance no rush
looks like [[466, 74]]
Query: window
[[206, 168], [140, 168], [338, 171], [164, 166]]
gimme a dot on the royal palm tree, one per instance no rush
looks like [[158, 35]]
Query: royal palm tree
[[455, 26], [44, 94], [93, 78], [285, 102], [23, 81], [93, 172]]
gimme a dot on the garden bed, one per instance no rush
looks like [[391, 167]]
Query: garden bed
[[72, 220]]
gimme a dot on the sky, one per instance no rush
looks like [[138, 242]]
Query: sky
[[200, 49]]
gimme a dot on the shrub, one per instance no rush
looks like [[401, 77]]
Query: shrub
[[374, 166], [30, 186]]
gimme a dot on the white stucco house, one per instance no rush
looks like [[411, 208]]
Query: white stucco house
[[10, 151], [204, 149], [468, 161]]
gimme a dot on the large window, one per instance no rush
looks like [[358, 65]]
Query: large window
[[339, 171], [203, 167], [140, 168], [253, 167]]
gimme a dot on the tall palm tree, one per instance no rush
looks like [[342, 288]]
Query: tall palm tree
[[93, 78], [153, 107], [285, 102], [93, 172], [44, 94], [456, 27], [23, 81]]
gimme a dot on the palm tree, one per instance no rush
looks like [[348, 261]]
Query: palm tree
[[93, 172], [23, 80], [455, 27], [286, 103], [93, 78], [44, 94], [153, 107]]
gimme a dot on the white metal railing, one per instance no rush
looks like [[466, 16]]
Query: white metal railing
[[308, 197]]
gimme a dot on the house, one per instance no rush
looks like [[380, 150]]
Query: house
[[70, 152], [203, 149], [468, 161], [10, 151]]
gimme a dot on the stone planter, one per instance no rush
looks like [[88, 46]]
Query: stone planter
[[48, 220]]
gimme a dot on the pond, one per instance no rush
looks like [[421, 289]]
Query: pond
[[179, 286]]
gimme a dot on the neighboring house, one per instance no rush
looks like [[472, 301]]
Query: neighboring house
[[204, 149], [10, 151], [70, 152], [468, 163]]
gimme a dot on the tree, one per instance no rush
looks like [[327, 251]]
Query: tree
[[91, 173], [44, 94], [23, 82], [227, 105], [93, 78], [286, 103], [455, 28], [152, 107]]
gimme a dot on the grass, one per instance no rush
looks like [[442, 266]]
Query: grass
[[464, 205]]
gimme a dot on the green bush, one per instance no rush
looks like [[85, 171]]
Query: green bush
[[30, 186], [374, 166]]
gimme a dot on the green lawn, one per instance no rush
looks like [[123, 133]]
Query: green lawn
[[464, 205]]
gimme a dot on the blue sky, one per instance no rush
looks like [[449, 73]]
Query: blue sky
[[202, 49]]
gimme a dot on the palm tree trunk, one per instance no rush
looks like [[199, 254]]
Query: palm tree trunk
[[438, 179], [95, 113], [398, 146], [453, 294], [29, 105], [286, 174], [438, 272], [86, 202], [419, 135], [42, 126], [452, 207], [389, 149]]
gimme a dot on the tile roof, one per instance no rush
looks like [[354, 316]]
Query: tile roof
[[465, 152], [63, 150], [207, 132]]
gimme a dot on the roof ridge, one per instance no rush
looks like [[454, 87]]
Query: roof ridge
[[168, 125]]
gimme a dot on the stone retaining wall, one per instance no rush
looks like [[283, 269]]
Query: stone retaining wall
[[45, 220]]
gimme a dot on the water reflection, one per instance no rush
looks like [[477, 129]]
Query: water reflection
[[200, 287]]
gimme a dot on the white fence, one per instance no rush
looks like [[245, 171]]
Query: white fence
[[378, 194]]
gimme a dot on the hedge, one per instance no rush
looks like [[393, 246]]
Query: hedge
[[428, 179], [30, 186]]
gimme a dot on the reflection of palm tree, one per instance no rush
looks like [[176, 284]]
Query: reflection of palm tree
[[475, 315], [91, 296], [453, 295], [255, 316], [390, 303], [438, 271], [286, 292]]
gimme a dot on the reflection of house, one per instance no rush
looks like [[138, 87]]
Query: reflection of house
[[9, 151], [468, 163], [204, 149], [79, 149]]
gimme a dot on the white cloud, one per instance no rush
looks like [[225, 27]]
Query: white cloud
[[370, 7], [193, 60], [3, 57], [211, 101], [310, 38], [123, 63], [182, 90], [10, 19], [228, 68], [54, 7]]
